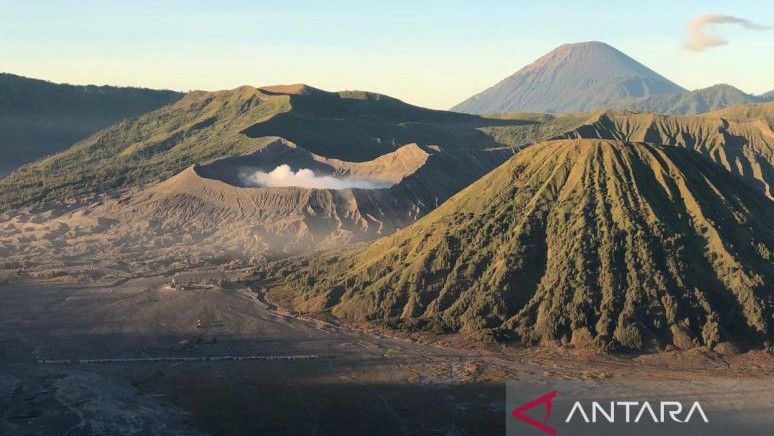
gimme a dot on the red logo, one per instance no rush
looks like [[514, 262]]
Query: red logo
[[518, 413]]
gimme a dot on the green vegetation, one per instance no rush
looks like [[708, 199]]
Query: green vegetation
[[38, 118], [602, 242], [627, 231], [205, 126]]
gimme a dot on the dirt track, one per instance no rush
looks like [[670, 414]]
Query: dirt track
[[359, 381]]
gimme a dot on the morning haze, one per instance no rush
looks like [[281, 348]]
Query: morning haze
[[424, 53], [345, 219]]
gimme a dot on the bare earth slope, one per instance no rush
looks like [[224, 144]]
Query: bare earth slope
[[167, 191], [206, 214], [597, 242]]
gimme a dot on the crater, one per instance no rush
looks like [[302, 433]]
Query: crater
[[283, 164]]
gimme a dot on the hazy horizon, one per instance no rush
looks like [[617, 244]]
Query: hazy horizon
[[433, 54]]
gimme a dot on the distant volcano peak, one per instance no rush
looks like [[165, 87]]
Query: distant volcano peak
[[572, 77]]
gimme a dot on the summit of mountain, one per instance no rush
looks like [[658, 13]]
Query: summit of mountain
[[571, 78]]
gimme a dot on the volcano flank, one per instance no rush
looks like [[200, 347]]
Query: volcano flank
[[600, 243]]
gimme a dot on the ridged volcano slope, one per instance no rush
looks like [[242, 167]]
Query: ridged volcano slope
[[740, 139], [619, 245]]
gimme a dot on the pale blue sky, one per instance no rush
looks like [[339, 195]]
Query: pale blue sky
[[431, 53]]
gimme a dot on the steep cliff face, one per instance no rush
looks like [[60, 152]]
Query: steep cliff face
[[741, 140], [600, 242]]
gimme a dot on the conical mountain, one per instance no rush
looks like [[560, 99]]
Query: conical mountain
[[599, 242], [572, 77]]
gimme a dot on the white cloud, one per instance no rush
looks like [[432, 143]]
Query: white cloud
[[283, 175], [699, 39]]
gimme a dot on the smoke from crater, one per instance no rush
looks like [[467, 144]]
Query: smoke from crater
[[283, 176]]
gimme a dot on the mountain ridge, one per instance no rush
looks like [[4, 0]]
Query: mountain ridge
[[204, 126], [38, 117], [691, 102], [740, 140]]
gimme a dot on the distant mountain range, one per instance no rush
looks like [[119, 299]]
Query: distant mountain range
[[593, 75], [691, 102], [38, 118]]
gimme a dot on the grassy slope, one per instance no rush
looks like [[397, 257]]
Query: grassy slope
[[204, 126], [39, 118], [599, 242]]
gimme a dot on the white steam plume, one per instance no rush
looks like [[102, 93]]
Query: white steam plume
[[698, 39], [306, 178]]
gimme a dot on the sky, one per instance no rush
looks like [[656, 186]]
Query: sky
[[429, 53]]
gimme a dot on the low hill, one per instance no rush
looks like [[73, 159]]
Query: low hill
[[38, 118], [571, 78], [601, 243], [692, 102], [748, 112]]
